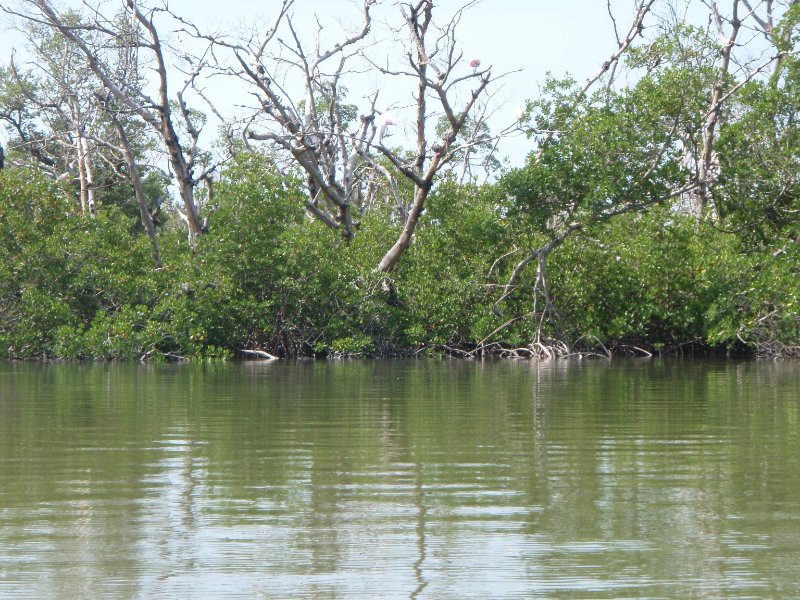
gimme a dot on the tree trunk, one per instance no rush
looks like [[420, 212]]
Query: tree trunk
[[707, 163], [138, 189], [394, 253], [89, 174], [84, 194]]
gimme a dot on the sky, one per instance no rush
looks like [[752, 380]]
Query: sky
[[522, 38]]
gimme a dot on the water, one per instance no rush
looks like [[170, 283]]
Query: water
[[647, 479]]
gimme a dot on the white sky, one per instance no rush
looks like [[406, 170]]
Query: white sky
[[532, 36]]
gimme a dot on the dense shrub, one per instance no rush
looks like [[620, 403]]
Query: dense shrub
[[267, 277]]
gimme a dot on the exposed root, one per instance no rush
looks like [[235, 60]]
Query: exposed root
[[763, 338], [545, 349], [773, 348]]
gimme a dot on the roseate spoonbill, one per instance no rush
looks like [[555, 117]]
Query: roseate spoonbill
[[385, 121]]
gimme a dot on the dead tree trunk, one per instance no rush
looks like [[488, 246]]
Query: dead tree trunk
[[138, 190], [707, 165]]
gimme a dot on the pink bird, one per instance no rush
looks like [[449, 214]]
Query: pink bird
[[475, 63]]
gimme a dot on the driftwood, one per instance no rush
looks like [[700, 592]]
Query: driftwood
[[259, 353]]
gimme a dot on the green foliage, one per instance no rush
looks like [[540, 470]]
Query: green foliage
[[625, 267], [615, 152], [268, 277], [326, 110], [444, 281], [681, 48], [62, 270], [639, 279], [759, 191], [265, 267], [480, 149], [756, 302]]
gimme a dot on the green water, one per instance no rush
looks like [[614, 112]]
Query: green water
[[400, 480]]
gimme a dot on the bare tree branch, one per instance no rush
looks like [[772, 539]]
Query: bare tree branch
[[157, 113]]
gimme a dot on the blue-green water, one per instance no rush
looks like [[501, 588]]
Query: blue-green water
[[667, 479]]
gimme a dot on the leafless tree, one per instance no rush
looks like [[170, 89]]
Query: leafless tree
[[107, 42], [346, 160]]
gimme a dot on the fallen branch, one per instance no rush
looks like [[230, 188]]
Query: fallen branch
[[642, 350], [259, 353]]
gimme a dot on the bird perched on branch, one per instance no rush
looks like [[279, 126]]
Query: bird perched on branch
[[384, 122]]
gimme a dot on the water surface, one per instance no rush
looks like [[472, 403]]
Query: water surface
[[400, 479]]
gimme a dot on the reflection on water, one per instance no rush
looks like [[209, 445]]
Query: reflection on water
[[400, 479]]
